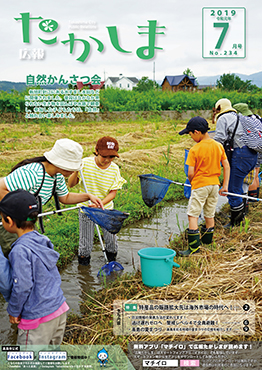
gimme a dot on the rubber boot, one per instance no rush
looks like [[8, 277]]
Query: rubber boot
[[111, 256], [207, 235], [84, 261], [193, 237], [237, 215], [246, 205], [253, 193]]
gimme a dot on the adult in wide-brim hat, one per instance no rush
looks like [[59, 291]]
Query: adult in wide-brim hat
[[44, 176], [243, 159], [222, 106], [66, 154], [243, 109], [253, 190]]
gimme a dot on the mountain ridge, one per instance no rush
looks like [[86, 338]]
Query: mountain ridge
[[256, 79]]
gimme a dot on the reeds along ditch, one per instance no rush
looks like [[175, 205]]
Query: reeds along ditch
[[230, 269]]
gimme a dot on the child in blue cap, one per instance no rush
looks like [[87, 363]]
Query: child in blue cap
[[36, 303], [204, 169]]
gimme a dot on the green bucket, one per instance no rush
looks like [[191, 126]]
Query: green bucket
[[156, 266]]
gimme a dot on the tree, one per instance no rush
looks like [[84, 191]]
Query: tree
[[230, 82], [145, 84], [188, 72]]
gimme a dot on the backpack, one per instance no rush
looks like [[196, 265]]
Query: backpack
[[39, 201], [252, 127]]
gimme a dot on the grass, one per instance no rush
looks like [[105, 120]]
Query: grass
[[229, 269], [140, 152], [218, 273], [26, 139]]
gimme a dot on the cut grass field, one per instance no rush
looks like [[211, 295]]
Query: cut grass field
[[230, 269], [145, 147]]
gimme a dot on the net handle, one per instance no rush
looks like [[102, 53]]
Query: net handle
[[97, 228]]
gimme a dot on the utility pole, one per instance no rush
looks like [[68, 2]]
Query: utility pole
[[153, 71]]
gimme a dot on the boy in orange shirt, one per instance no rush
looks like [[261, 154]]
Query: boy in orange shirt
[[204, 161]]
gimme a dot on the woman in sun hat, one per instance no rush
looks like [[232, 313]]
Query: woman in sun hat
[[253, 190], [243, 158], [44, 176]]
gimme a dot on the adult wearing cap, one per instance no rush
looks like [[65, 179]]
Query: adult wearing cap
[[243, 159], [43, 176], [253, 190]]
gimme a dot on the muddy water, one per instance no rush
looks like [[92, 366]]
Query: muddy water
[[76, 279]]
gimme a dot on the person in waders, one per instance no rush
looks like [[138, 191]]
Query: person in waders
[[44, 177], [102, 177], [204, 169], [243, 159]]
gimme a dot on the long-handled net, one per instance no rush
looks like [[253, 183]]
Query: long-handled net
[[153, 188], [110, 267], [110, 219]]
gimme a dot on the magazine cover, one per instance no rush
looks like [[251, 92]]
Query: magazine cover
[[130, 213]]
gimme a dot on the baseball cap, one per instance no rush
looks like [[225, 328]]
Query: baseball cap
[[19, 204], [107, 146], [195, 123], [66, 154]]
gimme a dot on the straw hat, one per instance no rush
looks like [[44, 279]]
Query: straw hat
[[66, 154], [243, 109], [225, 106]]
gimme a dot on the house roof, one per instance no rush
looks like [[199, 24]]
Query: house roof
[[80, 85], [133, 79], [113, 79], [116, 79], [175, 80]]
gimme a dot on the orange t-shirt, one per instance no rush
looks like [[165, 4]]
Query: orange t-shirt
[[206, 157]]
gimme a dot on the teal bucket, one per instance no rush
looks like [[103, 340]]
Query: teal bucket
[[156, 266]]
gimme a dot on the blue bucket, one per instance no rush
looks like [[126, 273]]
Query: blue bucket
[[156, 266]]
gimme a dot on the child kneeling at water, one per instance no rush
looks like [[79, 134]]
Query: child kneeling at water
[[102, 176], [36, 303], [204, 170]]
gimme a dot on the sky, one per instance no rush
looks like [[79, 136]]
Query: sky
[[187, 37]]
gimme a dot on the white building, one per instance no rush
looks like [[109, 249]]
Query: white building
[[121, 82]]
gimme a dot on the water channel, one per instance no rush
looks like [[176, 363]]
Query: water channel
[[76, 279]]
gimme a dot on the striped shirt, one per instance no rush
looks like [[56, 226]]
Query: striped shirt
[[100, 181], [30, 176]]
